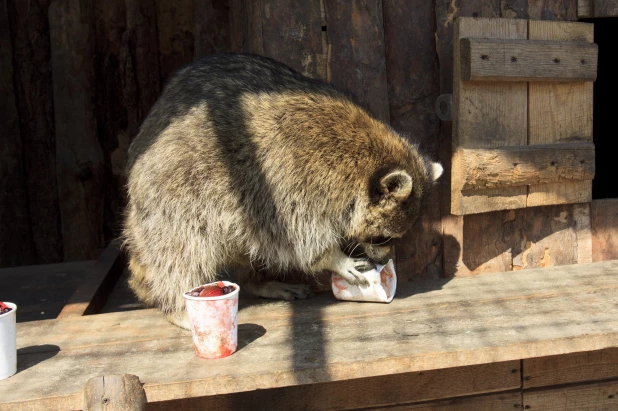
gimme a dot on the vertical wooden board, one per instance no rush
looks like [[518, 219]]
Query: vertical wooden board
[[583, 232], [554, 10], [559, 113], [357, 62], [212, 27], [604, 222], [175, 27], [16, 245], [585, 397], [29, 27], [79, 158], [604, 8], [584, 8], [487, 114], [413, 86], [564, 369]]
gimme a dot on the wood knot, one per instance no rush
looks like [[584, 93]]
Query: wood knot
[[485, 57], [556, 60], [514, 59], [583, 61]]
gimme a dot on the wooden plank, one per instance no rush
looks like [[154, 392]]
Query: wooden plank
[[356, 45], [552, 10], [560, 113], [429, 326], [488, 115], [604, 221], [79, 160], [175, 27], [41, 291], [90, 296], [571, 368], [495, 402], [585, 397], [29, 27], [212, 27], [604, 8], [381, 391], [527, 60], [16, 243], [584, 8], [523, 165], [413, 82]]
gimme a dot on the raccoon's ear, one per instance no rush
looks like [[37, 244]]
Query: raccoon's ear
[[435, 171], [397, 184]]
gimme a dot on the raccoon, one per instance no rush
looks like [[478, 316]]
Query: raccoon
[[244, 165]]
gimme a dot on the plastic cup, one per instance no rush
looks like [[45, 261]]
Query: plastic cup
[[381, 289], [214, 322], [8, 342]]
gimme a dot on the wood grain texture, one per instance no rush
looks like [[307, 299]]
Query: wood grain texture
[[572, 368], [175, 27], [604, 8], [356, 46], [388, 390], [412, 75], [560, 113], [527, 60], [604, 222], [585, 397], [429, 326], [488, 115], [523, 165], [584, 8], [495, 402], [114, 393], [212, 27], [79, 159], [29, 27], [16, 243]]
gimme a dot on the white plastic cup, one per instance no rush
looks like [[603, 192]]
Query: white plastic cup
[[8, 343], [381, 289], [214, 322]]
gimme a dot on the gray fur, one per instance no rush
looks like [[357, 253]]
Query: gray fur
[[245, 165]]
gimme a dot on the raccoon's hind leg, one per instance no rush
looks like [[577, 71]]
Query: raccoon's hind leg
[[279, 291]]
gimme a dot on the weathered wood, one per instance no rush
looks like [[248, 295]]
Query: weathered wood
[[175, 27], [583, 232], [90, 296], [79, 160], [363, 393], [29, 26], [356, 49], [114, 393], [554, 10], [585, 397], [522, 165], [527, 60], [571, 368], [212, 27], [494, 402], [429, 326], [604, 8], [584, 8], [41, 291], [560, 113], [413, 85], [604, 221], [488, 115], [16, 243]]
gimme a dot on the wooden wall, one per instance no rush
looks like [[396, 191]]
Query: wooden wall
[[77, 77]]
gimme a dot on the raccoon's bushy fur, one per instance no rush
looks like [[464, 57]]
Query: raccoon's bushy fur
[[245, 164]]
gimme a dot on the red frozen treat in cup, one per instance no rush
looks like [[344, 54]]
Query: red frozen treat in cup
[[212, 310]]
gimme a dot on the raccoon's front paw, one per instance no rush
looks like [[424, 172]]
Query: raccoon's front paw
[[281, 291], [351, 268]]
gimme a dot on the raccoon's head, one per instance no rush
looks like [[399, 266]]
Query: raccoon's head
[[395, 199]]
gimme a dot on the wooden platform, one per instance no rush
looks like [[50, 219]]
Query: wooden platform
[[506, 333]]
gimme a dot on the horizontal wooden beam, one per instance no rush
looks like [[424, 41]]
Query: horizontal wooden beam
[[475, 169], [527, 60]]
